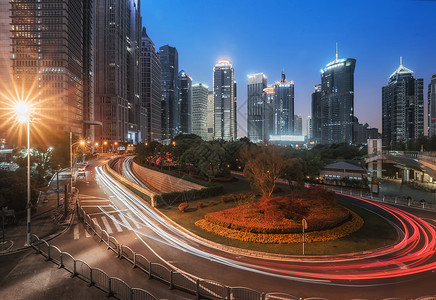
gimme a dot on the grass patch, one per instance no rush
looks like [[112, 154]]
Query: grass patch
[[375, 233]]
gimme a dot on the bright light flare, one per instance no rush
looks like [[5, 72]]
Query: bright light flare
[[22, 112]]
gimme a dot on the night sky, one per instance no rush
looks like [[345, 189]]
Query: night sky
[[298, 37]]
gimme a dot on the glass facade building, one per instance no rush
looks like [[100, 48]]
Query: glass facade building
[[284, 107], [432, 106], [256, 107], [51, 47], [169, 59], [337, 101], [185, 103], [117, 82], [225, 125], [151, 92], [316, 114], [402, 107], [200, 93]]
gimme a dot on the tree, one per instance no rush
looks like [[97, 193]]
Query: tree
[[263, 166]]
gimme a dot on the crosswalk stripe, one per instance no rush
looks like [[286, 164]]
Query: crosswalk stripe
[[106, 224], [94, 200], [124, 220], [76, 232], [117, 226], [133, 220], [87, 234]]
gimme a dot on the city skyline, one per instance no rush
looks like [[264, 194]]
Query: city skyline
[[362, 35]]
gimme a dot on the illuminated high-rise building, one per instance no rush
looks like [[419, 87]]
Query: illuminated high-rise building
[[117, 88], [309, 132], [402, 107], [210, 116], [298, 125], [337, 101], [169, 59], [225, 125], [151, 93], [316, 114], [256, 107], [185, 104], [284, 107], [432, 106], [200, 93], [51, 57]]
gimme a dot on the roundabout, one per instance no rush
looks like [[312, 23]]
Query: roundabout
[[401, 265]]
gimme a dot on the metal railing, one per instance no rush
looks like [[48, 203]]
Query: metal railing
[[406, 201], [201, 288], [113, 286]]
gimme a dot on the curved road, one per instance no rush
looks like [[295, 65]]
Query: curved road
[[401, 270]]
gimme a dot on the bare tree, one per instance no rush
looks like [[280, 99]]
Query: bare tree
[[263, 166]]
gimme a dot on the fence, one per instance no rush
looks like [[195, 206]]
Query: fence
[[113, 286], [407, 201], [202, 288]]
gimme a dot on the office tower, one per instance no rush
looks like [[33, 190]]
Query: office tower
[[337, 101], [210, 116], [151, 93], [432, 106], [224, 101], [269, 112], [235, 111], [316, 114], [169, 60], [298, 125], [256, 107], [403, 107], [284, 107], [117, 80], [200, 93], [185, 103], [309, 128], [51, 57], [363, 132], [5, 59]]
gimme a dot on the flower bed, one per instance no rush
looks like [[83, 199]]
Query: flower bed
[[354, 224]]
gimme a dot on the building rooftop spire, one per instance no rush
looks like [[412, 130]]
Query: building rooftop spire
[[336, 51], [401, 70]]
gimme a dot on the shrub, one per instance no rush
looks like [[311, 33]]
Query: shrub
[[277, 190], [200, 205], [183, 206], [211, 203], [228, 198]]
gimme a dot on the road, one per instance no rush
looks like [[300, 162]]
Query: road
[[403, 270]]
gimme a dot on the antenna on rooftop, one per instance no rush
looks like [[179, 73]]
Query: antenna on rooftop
[[336, 51]]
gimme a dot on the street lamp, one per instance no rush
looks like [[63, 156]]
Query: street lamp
[[71, 157], [22, 112]]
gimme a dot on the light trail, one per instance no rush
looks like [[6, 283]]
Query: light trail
[[414, 252]]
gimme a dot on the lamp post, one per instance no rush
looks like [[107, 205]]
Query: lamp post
[[71, 157], [22, 111]]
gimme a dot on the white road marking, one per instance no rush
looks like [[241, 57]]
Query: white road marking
[[117, 226], [106, 224], [124, 220], [133, 220], [92, 201], [91, 206], [76, 232], [87, 234]]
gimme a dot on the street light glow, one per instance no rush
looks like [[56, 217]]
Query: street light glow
[[22, 111]]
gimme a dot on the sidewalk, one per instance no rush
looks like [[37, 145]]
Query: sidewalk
[[45, 221]]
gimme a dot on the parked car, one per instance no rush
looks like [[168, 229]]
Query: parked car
[[81, 172]]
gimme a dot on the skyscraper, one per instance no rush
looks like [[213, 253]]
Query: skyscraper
[[169, 59], [200, 93], [337, 101], [298, 125], [284, 107], [224, 101], [185, 103], [151, 93], [256, 107], [432, 106], [117, 83], [309, 128], [210, 116], [51, 50], [5, 58], [403, 107], [316, 114]]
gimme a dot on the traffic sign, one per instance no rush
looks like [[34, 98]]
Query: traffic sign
[[67, 176]]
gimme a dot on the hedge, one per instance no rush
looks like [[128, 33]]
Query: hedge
[[185, 196]]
